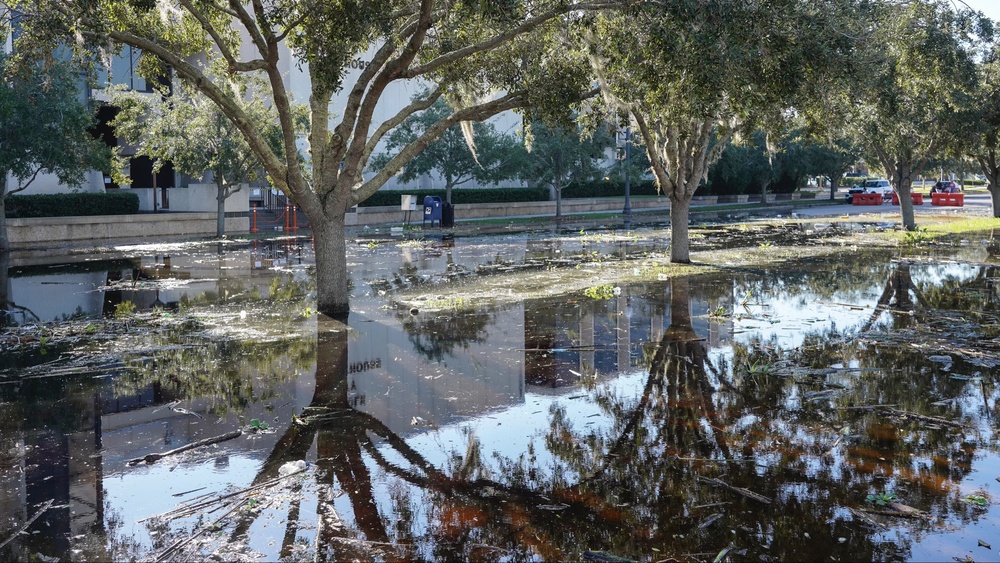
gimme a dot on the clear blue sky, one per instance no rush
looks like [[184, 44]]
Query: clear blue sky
[[989, 7]]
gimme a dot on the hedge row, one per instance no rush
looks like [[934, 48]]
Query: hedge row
[[498, 195], [512, 195], [606, 188], [72, 204]]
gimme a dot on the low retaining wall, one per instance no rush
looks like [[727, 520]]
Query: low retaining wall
[[379, 215], [28, 233], [35, 233]]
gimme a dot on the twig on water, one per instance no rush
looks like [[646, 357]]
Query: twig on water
[[740, 490], [185, 510], [46, 506], [153, 458], [169, 552]]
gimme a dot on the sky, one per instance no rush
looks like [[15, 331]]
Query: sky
[[989, 7]]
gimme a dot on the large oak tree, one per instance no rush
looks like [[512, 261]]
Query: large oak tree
[[483, 57], [920, 80], [691, 76], [984, 124]]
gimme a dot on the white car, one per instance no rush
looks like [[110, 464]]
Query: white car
[[879, 186]]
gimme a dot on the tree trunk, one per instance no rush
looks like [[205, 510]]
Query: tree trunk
[[989, 168], [447, 190], [4, 283], [558, 183], [4, 238], [220, 198], [332, 279], [900, 175], [834, 184], [680, 248], [906, 205], [558, 200]]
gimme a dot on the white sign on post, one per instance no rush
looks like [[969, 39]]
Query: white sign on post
[[409, 203]]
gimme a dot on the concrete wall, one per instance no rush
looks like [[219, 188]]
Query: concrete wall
[[377, 215], [47, 231], [48, 184], [194, 198]]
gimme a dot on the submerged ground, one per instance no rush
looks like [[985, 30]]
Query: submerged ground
[[806, 390]]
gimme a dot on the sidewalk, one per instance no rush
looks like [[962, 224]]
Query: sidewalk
[[610, 216], [979, 204]]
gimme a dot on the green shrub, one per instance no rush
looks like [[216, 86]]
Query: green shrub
[[602, 188], [606, 188], [72, 204]]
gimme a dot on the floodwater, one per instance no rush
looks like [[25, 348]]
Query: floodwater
[[844, 408]]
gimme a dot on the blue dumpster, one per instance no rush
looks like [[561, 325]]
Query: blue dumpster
[[432, 209]]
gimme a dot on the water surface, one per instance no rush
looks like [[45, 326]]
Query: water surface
[[769, 413]]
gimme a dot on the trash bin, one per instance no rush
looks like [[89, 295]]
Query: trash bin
[[447, 215], [432, 210]]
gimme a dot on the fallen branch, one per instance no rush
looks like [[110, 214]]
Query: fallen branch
[[169, 552], [892, 513], [903, 511], [740, 490], [924, 418], [864, 407], [709, 521], [46, 506], [710, 460], [153, 458], [866, 519], [187, 509]]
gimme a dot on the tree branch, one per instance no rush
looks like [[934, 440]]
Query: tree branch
[[342, 131], [654, 154], [276, 169], [224, 50], [400, 117], [22, 185], [252, 28], [500, 39], [392, 70]]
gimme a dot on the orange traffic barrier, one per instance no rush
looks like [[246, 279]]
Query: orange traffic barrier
[[915, 197], [866, 199], [953, 200]]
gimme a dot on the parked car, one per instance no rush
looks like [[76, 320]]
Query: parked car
[[879, 186], [946, 187]]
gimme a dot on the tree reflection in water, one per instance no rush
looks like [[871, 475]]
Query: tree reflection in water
[[715, 452], [750, 445], [634, 489]]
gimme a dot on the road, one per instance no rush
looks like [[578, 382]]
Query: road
[[975, 204]]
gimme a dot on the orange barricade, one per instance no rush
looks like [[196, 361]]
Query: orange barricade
[[866, 199], [917, 198], [953, 200]]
